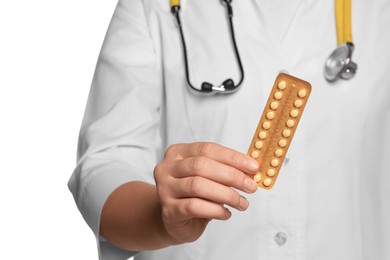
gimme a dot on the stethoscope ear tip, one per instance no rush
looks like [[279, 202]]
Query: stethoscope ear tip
[[229, 84], [226, 87], [206, 87]]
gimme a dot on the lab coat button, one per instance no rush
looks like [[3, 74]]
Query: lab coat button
[[280, 238]]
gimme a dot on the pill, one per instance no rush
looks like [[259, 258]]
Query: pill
[[270, 115], [302, 93], [294, 113], [298, 103], [267, 182], [266, 125], [278, 95], [271, 173], [282, 85], [282, 143], [274, 105], [290, 123], [257, 178], [278, 153], [286, 133], [259, 144], [274, 162], [255, 154], [276, 128], [262, 135]]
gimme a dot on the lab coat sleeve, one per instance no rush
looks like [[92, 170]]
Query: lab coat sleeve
[[120, 136]]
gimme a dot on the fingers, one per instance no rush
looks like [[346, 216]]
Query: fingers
[[216, 152], [200, 208], [198, 187], [196, 181], [215, 171]]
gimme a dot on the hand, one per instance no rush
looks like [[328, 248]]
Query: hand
[[194, 182]]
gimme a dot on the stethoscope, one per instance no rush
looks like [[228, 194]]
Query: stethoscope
[[228, 86], [338, 65]]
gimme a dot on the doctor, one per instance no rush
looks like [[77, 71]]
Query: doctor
[[162, 171]]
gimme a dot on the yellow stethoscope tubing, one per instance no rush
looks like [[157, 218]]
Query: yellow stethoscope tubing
[[343, 11], [174, 3]]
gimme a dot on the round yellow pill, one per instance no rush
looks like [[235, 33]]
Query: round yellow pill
[[274, 162], [294, 113], [290, 123], [270, 115], [259, 145], [257, 178], [255, 154], [286, 133], [278, 95], [298, 103], [302, 93], [282, 85], [278, 153], [267, 182], [282, 143], [266, 125], [271, 173], [274, 105], [262, 135]]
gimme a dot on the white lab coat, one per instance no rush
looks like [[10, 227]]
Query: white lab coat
[[331, 199]]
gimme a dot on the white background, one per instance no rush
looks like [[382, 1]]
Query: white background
[[48, 52]]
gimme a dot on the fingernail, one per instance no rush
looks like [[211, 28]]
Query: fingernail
[[250, 184], [252, 165], [244, 203], [228, 214]]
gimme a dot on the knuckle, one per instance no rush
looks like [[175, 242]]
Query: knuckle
[[157, 170], [161, 193], [193, 185], [236, 179], [234, 198], [171, 150], [163, 182], [196, 164], [206, 148], [190, 207], [236, 158], [169, 213], [161, 172]]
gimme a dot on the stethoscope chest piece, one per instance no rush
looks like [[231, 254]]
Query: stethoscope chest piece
[[339, 64]]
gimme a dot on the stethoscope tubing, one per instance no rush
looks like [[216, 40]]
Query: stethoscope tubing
[[211, 88], [233, 35], [333, 69]]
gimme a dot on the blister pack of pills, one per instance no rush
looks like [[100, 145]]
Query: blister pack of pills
[[277, 126]]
